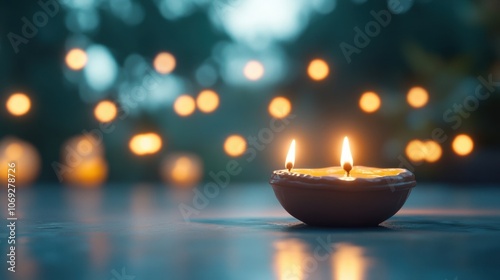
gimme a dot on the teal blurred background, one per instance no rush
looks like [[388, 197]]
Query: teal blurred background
[[179, 78]]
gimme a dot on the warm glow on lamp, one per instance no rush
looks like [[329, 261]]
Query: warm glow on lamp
[[290, 157], [346, 161], [253, 70]]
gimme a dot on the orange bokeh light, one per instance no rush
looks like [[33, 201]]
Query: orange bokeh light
[[184, 105], [145, 144], [105, 111], [417, 97], [207, 101], [369, 102], [76, 59], [235, 145], [18, 104], [253, 70], [463, 144], [164, 63], [280, 107], [318, 69]]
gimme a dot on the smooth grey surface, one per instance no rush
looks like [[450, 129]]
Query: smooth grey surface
[[121, 232]]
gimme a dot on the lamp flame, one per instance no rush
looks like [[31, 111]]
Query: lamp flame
[[290, 158], [346, 161]]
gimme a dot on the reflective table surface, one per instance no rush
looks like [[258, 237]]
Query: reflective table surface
[[241, 232]]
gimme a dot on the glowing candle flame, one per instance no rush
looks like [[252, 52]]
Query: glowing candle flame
[[290, 158], [346, 157]]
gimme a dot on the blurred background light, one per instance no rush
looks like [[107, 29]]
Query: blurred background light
[[145, 144], [399, 6], [261, 48], [164, 63], [279, 107], [24, 155], [81, 146], [181, 170], [241, 66], [184, 105], [206, 75], [433, 151], [18, 104], [462, 144], [76, 59], [323, 6], [130, 12], [207, 101], [418, 150], [253, 70], [84, 162], [105, 111], [235, 145], [415, 150], [90, 172], [259, 23], [82, 20], [369, 102], [174, 9], [318, 69], [417, 97], [143, 89], [101, 69]]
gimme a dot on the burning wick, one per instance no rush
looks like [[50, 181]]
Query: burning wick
[[346, 157], [290, 157], [347, 167]]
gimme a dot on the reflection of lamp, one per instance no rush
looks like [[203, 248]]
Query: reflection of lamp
[[24, 155], [289, 259], [348, 262]]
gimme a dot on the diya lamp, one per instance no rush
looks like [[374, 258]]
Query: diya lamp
[[341, 196]]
